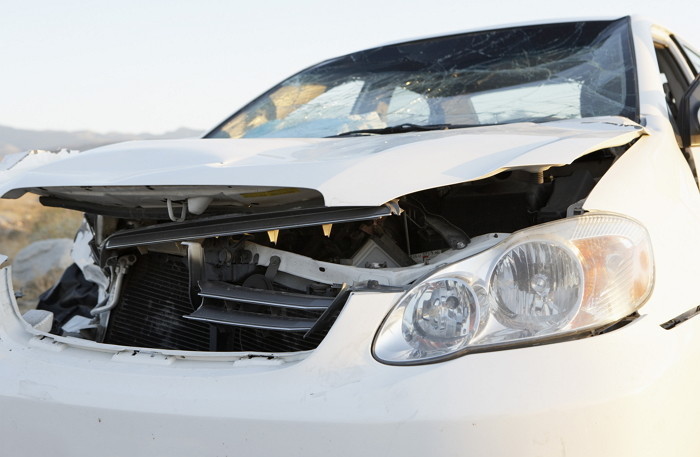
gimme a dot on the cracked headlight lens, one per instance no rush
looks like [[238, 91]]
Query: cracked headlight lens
[[548, 282]]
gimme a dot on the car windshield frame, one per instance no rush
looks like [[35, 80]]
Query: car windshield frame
[[573, 69]]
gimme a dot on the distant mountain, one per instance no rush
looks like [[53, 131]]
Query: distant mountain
[[15, 140]]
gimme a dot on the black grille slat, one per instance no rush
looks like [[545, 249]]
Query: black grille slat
[[220, 315], [224, 291], [155, 311]]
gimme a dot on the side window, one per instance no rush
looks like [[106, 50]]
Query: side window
[[291, 105], [407, 107], [337, 101], [544, 101], [672, 77]]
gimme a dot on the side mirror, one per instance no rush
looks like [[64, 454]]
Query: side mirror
[[689, 118]]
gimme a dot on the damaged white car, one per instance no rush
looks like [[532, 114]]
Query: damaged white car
[[475, 244]]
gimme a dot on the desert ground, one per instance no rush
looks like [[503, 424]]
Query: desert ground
[[25, 221]]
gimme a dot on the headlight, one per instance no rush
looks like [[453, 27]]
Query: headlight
[[546, 282]]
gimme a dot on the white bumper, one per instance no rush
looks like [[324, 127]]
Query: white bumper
[[631, 392]]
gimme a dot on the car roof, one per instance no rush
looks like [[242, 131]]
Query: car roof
[[511, 25]]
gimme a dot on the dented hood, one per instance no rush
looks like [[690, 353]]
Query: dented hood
[[348, 171]]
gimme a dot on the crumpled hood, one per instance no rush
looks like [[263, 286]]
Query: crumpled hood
[[349, 171]]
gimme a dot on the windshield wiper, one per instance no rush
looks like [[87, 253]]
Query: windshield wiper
[[403, 128]]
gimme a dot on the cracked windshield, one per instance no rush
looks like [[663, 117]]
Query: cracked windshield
[[528, 74]]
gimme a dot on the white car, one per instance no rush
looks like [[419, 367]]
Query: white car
[[478, 244]]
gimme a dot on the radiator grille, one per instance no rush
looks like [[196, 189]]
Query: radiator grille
[[269, 341], [154, 298]]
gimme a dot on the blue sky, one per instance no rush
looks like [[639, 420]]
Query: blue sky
[[152, 66]]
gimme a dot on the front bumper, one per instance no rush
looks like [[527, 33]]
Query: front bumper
[[629, 392]]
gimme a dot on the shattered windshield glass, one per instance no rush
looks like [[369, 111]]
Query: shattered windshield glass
[[524, 74]]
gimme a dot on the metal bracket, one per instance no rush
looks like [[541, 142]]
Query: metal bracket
[[171, 212], [272, 268], [195, 265]]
